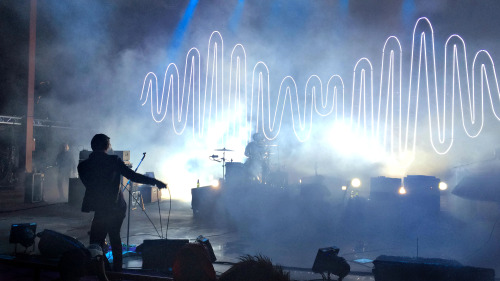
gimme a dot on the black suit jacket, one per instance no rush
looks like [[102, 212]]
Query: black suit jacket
[[100, 174]]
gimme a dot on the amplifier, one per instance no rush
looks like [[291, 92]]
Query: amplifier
[[33, 191], [84, 154], [149, 193], [383, 188], [123, 154], [76, 192]]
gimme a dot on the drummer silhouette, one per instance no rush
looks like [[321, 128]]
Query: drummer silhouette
[[256, 163]]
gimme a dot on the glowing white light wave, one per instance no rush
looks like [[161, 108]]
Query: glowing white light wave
[[394, 121]]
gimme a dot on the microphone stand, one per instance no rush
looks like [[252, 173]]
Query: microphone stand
[[130, 200]]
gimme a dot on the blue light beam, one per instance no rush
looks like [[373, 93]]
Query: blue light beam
[[183, 25], [235, 18]]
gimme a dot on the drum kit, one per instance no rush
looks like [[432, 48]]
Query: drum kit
[[233, 172]]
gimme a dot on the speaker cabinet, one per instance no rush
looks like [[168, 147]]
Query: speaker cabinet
[[203, 201], [384, 189], [149, 193], [33, 188], [160, 254], [84, 154], [422, 194], [123, 154], [76, 191], [391, 268]]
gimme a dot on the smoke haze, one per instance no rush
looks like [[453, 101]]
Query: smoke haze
[[92, 59]]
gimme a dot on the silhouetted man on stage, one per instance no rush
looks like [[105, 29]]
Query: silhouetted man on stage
[[100, 174], [65, 168]]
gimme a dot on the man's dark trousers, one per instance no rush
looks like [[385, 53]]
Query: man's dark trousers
[[105, 222]]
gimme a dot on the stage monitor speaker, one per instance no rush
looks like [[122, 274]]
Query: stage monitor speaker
[[76, 191], [391, 268], [33, 188], [159, 254], [53, 244]]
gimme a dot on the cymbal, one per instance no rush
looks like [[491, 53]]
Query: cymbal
[[223, 149]]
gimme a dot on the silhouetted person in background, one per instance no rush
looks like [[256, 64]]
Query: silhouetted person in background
[[100, 174], [257, 154], [65, 168]]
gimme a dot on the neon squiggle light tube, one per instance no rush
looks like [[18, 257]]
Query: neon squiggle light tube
[[392, 117]]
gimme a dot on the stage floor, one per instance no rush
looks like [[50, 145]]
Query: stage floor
[[288, 232]]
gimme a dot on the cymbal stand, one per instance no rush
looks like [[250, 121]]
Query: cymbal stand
[[222, 159], [224, 166]]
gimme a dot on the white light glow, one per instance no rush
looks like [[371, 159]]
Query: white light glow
[[215, 183], [356, 182], [344, 187], [392, 117], [443, 186], [349, 143], [402, 190]]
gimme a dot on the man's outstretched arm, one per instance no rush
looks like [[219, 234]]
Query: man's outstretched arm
[[136, 177]]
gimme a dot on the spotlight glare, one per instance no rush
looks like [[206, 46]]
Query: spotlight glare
[[215, 183], [443, 186], [402, 190], [355, 182], [344, 187]]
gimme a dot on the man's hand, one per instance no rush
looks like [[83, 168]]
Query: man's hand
[[160, 184]]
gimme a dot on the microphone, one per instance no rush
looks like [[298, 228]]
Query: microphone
[[214, 156], [144, 153]]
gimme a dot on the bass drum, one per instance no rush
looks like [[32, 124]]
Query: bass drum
[[235, 173]]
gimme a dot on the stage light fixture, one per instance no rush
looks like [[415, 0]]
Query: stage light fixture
[[443, 186], [23, 233], [402, 190], [355, 182]]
